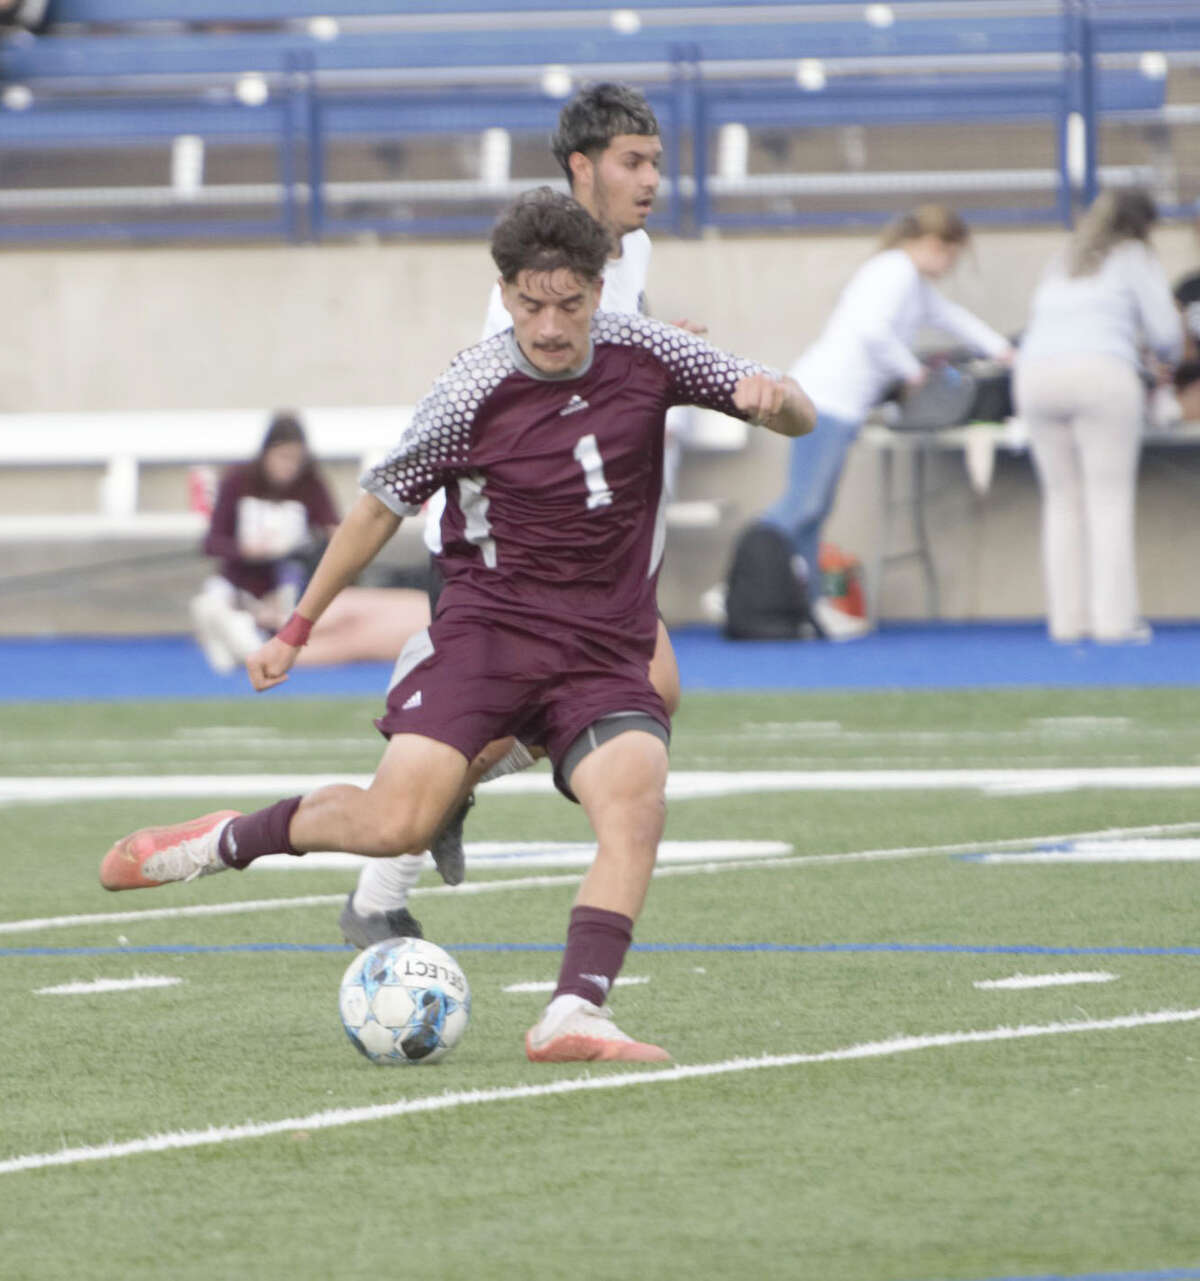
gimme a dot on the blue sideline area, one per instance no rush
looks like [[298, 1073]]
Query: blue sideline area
[[900, 656]]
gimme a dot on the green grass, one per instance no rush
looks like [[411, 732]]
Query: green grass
[[1068, 1154]]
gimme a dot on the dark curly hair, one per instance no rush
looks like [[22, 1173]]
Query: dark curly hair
[[597, 115], [546, 230]]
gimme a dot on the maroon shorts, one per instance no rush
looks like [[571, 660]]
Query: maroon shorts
[[466, 684]]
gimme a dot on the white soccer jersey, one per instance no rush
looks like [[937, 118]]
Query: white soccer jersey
[[624, 291]]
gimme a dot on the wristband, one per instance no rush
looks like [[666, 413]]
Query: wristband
[[295, 631]]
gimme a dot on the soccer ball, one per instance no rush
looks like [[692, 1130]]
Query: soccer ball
[[404, 1001]]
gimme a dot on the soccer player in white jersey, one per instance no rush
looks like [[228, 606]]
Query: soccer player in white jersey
[[609, 147]]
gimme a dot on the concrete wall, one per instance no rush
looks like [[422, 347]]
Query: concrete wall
[[370, 324]]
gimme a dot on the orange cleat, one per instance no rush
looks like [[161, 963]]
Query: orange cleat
[[588, 1035], [156, 855]]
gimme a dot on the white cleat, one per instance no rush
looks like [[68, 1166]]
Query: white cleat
[[587, 1034]]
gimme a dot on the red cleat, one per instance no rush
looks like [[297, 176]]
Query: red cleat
[[588, 1035], [156, 855]]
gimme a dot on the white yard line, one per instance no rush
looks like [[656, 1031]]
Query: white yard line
[[190, 742], [1115, 851], [490, 856], [336, 1117], [85, 988], [1017, 982], [626, 980], [169, 913], [681, 785], [793, 861], [41, 790], [191, 745]]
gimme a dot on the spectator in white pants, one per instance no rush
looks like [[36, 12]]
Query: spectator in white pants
[[1079, 390]]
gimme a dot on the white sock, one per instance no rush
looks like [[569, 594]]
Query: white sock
[[383, 884], [518, 758]]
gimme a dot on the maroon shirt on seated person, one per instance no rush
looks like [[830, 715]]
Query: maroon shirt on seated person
[[553, 530], [239, 484]]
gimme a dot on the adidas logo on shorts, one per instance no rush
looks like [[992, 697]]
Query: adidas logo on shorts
[[413, 700]]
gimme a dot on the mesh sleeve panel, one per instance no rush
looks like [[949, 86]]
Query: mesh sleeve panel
[[436, 444], [700, 373]]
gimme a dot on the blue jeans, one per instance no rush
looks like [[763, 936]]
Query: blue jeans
[[813, 474]]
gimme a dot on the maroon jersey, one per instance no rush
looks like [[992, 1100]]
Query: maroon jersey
[[554, 515], [315, 511]]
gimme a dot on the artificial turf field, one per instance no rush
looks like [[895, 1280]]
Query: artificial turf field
[[898, 1129]]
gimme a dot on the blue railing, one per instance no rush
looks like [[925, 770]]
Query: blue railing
[[402, 68]]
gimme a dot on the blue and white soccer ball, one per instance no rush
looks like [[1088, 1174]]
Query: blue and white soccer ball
[[404, 1001]]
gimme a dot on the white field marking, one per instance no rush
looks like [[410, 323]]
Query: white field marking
[[108, 985], [1143, 851], [549, 985], [1085, 723], [1017, 981], [491, 855], [336, 1117], [134, 787], [193, 739], [539, 882], [816, 761], [1034, 732], [783, 729], [696, 784], [862, 761], [681, 785], [31, 924], [225, 731], [175, 748]]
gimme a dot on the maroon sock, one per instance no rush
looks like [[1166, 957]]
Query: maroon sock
[[597, 941], [250, 836]]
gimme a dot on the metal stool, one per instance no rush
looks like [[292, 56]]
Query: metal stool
[[942, 402]]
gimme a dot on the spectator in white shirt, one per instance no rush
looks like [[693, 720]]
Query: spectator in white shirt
[[863, 351], [1078, 388]]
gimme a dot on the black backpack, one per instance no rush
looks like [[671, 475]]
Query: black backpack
[[764, 597]]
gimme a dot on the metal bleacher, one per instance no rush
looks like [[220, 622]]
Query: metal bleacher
[[310, 119]]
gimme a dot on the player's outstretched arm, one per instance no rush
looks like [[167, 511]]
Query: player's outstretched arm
[[356, 542], [778, 404]]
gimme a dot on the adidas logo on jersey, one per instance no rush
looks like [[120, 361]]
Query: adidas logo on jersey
[[573, 406], [413, 700]]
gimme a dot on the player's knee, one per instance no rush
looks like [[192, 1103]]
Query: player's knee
[[640, 810], [399, 833], [649, 812]]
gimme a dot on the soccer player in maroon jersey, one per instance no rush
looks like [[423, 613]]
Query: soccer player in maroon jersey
[[549, 439], [608, 146]]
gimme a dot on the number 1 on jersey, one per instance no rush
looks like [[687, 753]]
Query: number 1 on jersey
[[587, 454]]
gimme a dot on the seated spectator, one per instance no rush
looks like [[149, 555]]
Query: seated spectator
[[267, 513], [269, 516]]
